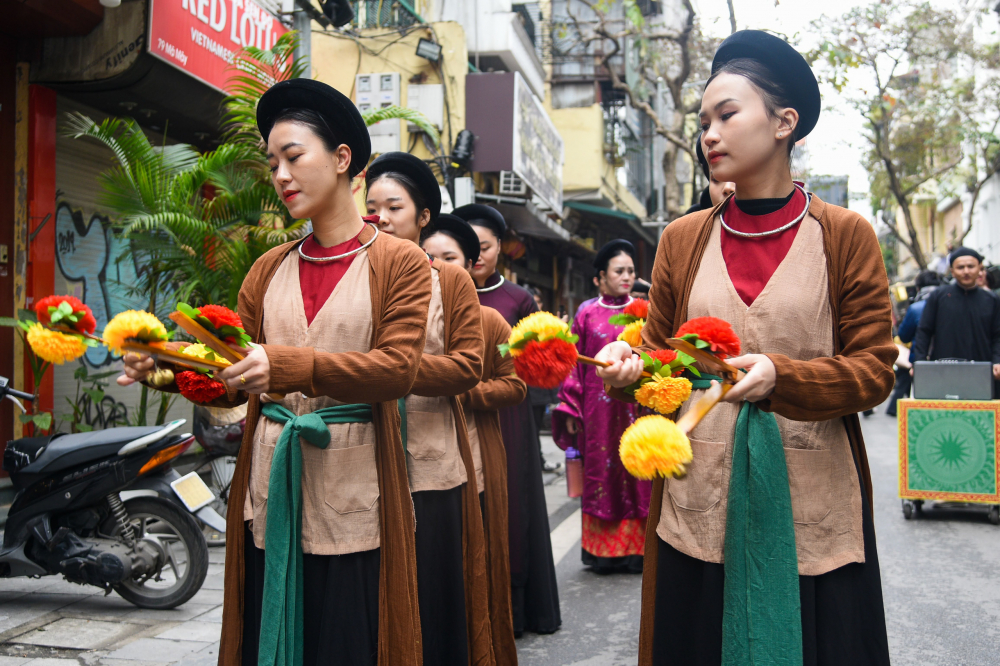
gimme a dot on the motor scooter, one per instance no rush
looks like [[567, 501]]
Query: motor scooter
[[106, 508]]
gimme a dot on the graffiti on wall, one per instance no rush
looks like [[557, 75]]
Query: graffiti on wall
[[90, 257]]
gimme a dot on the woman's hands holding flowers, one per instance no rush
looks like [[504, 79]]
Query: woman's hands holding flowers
[[252, 374], [757, 383], [625, 368], [137, 368]]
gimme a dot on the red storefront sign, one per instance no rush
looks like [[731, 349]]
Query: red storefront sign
[[200, 37]]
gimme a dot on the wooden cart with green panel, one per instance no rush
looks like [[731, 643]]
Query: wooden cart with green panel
[[948, 453]]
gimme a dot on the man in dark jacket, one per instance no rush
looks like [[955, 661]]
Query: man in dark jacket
[[926, 283], [961, 320]]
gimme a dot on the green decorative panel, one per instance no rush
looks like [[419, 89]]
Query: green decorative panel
[[952, 451]]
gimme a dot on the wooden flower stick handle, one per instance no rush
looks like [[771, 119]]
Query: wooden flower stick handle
[[701, 408], [204, 336], [600, 364], [67, 329], [175, 357]]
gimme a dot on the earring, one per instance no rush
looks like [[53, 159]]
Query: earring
[[780, 134]]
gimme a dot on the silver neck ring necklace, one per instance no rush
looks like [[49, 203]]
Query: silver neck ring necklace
[[772, 232], [320, 260], [600, 301], [489, 289]]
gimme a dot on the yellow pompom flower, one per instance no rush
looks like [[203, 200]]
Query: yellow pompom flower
[[133, 325], [198, 350], [545, 325], [654, 446], [664, 394], [53, 346], [633, 333]]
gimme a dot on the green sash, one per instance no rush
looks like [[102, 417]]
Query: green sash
[[281, 618], [762, 620]]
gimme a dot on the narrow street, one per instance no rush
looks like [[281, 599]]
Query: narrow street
[[942, 596]]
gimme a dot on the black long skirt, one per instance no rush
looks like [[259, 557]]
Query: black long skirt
[[534, 591], [340, 607], [843, 618], [440, 577]]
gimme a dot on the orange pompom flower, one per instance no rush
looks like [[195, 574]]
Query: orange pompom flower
[[664, 394], [716, 333], [53, 346], [638, 308], [75, 314], [633, 333], [197, 387], [546, 364], [654, 446]]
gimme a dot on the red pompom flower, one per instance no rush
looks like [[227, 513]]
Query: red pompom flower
[[719, 335], [197, 387], [638, 308], [76, 314], [546, 364], [220, 316]]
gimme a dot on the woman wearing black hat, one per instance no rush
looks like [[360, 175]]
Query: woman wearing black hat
[[779, 487], [403, 192], [323, 564], [614, 503], [534, 592], [452, 240]]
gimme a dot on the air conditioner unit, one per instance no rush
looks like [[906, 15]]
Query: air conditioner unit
[[511, 183]]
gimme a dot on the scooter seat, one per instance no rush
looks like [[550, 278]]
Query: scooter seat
[[63, 451]]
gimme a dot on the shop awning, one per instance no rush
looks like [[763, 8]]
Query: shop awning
[[615, 214]]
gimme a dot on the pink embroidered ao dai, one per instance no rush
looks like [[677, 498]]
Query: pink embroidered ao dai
[[615, 504]]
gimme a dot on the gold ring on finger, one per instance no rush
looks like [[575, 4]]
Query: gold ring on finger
[[243, 380]]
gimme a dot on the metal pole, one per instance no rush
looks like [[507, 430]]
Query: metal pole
[[304, 26]]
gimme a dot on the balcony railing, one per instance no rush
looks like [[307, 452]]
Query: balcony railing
[[382, 14], [630, 152], [526, 21]]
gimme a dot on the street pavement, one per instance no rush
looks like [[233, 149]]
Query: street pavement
[[940, 574]]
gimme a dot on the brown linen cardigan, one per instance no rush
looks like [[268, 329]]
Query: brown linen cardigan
[[859, 376], [400, 295], [452, 374], [499, 388]]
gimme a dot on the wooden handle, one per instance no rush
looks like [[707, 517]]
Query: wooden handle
[[601, 364], [174, 357], [204, 336], [709, 360], [693, 416], [67, 329]]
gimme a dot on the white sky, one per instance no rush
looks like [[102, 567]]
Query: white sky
[[836, 145]]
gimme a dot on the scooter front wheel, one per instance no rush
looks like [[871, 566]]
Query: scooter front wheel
[[182, 554]]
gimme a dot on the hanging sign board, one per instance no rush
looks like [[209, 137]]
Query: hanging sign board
[[538, 147], [201, 37]]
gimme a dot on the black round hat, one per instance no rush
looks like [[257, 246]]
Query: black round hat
[[785, 64], [460, 230], [484, 216], [416, 169], [612, 249], [336, 110]]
